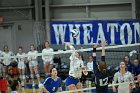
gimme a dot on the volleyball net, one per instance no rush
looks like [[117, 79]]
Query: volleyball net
[[114, 55], [78, 50]]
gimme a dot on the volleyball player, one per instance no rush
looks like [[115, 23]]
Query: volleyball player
[[125, 77], [47, 59], [51, 84], [21, 65], [33, 64], [75, 72], [7, 61], [101, 74]]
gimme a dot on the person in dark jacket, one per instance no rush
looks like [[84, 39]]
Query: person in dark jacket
[[101, 74]]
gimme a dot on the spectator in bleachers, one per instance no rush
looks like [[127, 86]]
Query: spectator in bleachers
[[90, 64], [128, 63], [47, 59], [136, 67], [90, 68], [33, 64], [14, 84], [1, 66], [1, 70], [137, 88], [7, 61]]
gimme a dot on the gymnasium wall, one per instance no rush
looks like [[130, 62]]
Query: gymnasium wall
[[20, 15]]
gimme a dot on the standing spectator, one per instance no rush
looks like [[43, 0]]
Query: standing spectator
[[21, 65], [47, 59], [136, 68], [7, 61], [33, 64]]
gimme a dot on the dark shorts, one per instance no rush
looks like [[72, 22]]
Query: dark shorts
[[102, 91], [70, 80]]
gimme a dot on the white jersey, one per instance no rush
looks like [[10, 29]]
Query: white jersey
[[47, 58], [7, 60], [75, 65], [124, 87], [32, 58], [90, 66], [20, 60], [0, 55]]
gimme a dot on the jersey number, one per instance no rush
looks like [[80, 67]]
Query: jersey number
[[103, 82]]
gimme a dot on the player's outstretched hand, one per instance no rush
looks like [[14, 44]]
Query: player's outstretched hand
[[103, 43], [66, 43], [95, 46]]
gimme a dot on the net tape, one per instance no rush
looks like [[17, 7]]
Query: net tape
[[91, 88], [70, 51]]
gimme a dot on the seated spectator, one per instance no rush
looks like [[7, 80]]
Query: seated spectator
[[127, 63], [3, 85], [136, 68], [14, 83], [1, 70]]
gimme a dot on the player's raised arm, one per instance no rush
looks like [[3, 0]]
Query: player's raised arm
[[69, 45], [103, 50], [95, 67]]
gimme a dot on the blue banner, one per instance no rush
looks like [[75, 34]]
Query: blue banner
[[114, 32]]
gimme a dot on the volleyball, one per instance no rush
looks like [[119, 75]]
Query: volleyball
[[74, 33], [40, 86]]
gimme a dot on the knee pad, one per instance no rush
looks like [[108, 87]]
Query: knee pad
[[20, 77], [23, 76]]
